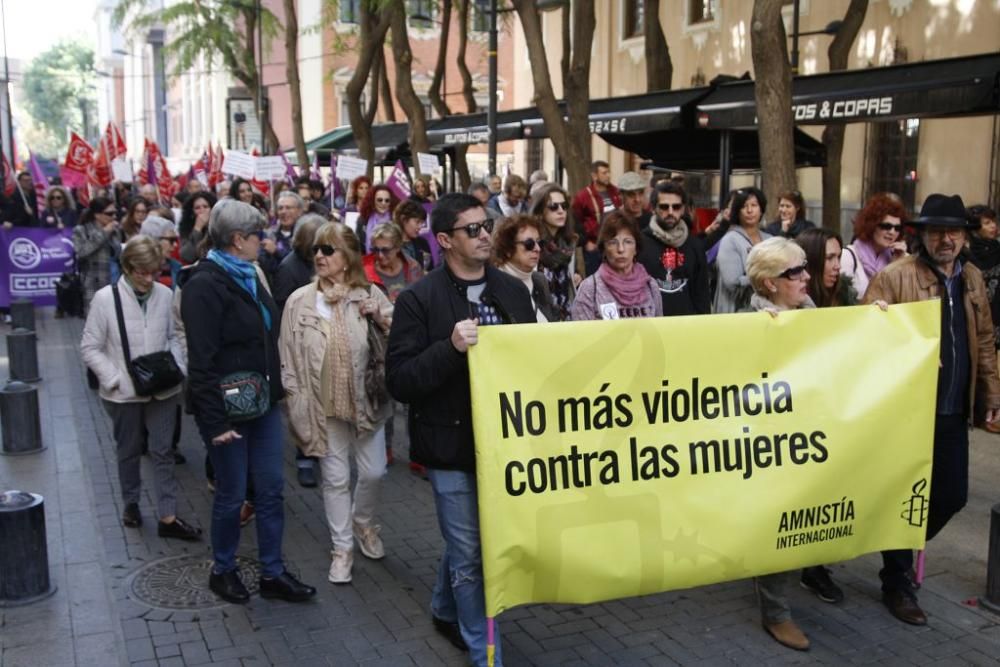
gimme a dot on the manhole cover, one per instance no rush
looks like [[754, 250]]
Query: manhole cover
[[181, 582]]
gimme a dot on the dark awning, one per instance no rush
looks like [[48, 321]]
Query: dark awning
[[950, 87], [683, 149], [647, 112], [473, 128]]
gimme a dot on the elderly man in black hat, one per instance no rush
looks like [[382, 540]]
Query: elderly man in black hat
[[967, 379]]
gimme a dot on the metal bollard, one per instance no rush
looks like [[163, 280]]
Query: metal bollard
[[22, 314], [22, 355], [991, 600], [24, 558], [19, 421]]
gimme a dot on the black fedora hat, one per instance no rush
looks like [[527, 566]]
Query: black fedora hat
[[943, 211]]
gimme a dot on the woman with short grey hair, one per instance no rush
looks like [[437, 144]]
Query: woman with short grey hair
[[232, 324]]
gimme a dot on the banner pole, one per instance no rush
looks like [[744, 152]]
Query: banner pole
[[491, 646], [919, 573]]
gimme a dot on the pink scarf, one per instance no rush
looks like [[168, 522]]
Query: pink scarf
[[628, 290]]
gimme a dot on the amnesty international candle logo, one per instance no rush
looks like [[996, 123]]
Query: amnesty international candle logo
[[635, 456], [915, 508]]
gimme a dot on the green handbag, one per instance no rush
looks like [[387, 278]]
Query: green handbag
[[246, 394]]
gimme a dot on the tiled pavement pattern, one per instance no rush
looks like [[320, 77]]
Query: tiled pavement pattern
[[382, 618]]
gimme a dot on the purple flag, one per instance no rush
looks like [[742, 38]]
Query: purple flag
[[290, 174], [39, 179], [151, 169], [337, 198], [399, 181], [314, 170], [38, 257]]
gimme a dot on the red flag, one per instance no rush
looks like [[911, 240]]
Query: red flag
[[200, 172], [83, 195], [144, 173], [9, 181], [39, 179], [215, 175], [99, 173], [163, 180], [115, 142], [79, 157], [260, 186]]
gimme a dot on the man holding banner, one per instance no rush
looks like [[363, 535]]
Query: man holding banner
[[967, 378], [435, 323]]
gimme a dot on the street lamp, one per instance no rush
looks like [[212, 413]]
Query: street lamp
[[831, 29]]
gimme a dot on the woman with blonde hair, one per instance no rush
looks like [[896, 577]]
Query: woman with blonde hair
[[127, 320], [335, 383], [60, 210]]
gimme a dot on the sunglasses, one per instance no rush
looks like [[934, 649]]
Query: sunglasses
[[112, 212], [171, 239], [671, 207], [530, 244], [473, 230], [558, 205], [793, 273], [380, 200], [324, 248], [382, 251], [888, 226], [56, 197]]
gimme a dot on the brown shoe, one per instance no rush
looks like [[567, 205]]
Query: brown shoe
[[788, 634], [247, 513], [904, 607]]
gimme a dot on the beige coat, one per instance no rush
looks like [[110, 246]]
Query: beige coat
[[148, 332], [303, 348]]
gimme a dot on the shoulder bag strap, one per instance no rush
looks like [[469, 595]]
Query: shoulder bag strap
[[854, 257], [121, 327]]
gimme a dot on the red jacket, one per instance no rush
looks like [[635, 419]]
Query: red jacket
[[587, 209]]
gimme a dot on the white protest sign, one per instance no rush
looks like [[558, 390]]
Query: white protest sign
[[428, 163], [238, 163], [121, 170], [349, 168], [270, 168], [351, 220]]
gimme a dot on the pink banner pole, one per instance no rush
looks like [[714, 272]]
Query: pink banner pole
[[491, 646], [920, 568]]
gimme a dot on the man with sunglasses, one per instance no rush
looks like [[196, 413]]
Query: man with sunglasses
[[435, 322], [968, 386], [673, 256]]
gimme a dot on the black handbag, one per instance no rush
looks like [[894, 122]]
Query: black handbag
[[246, 395], [69, 294], [378, 343], [151, 373]]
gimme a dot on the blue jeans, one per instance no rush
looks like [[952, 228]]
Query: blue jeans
[[458, 593], [258, 451]]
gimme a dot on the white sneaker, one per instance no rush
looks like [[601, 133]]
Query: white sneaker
[[340, 566], [369, 541]]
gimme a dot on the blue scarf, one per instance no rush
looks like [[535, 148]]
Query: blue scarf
[[245, 275]]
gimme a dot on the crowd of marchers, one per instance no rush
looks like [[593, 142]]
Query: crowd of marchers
[[289, 325]]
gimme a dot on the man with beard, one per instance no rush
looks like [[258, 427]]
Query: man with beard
[[968, 385], [673, 256], [632, 189], [589, 206]]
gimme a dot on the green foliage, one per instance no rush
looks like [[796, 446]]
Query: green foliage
[[59, 87], [204, 29]]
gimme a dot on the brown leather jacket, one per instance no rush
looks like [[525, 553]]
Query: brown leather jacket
[[908, 280]]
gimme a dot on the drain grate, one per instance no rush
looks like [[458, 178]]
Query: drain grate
[[181, 582]]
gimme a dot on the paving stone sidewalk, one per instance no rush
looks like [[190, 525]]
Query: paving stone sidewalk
[[96, 617]]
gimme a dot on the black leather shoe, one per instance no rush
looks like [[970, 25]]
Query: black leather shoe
[[451, 632], [286, 587], [131, 517], [178, 529], [904, 606], [229, 587], [307, 476]]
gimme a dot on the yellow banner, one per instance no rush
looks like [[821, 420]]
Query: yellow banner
[[621, 458]]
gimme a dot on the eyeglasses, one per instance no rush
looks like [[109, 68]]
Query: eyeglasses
[[557, 206], [627, 242], [794, 273], [170, 239], [671, 207], [530, 244], [382, 251], [474, 229], [888, 226], [953, 232], [56, 197], [324, 248]]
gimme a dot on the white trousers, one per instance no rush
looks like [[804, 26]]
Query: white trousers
[[335, 467]]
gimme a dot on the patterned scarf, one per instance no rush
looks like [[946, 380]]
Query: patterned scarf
[[245, 275], [338, 354], [554, 264], [629, 290]]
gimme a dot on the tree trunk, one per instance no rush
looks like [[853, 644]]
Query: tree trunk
[[659, 68], [374, 76], [833, 135], [773, 93], [439, 103], [383, 82], [468, 93], [373, 28], [408, 100], [292, 73], [571, 137]]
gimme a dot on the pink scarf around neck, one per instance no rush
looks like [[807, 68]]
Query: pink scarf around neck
[[628, 290]]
